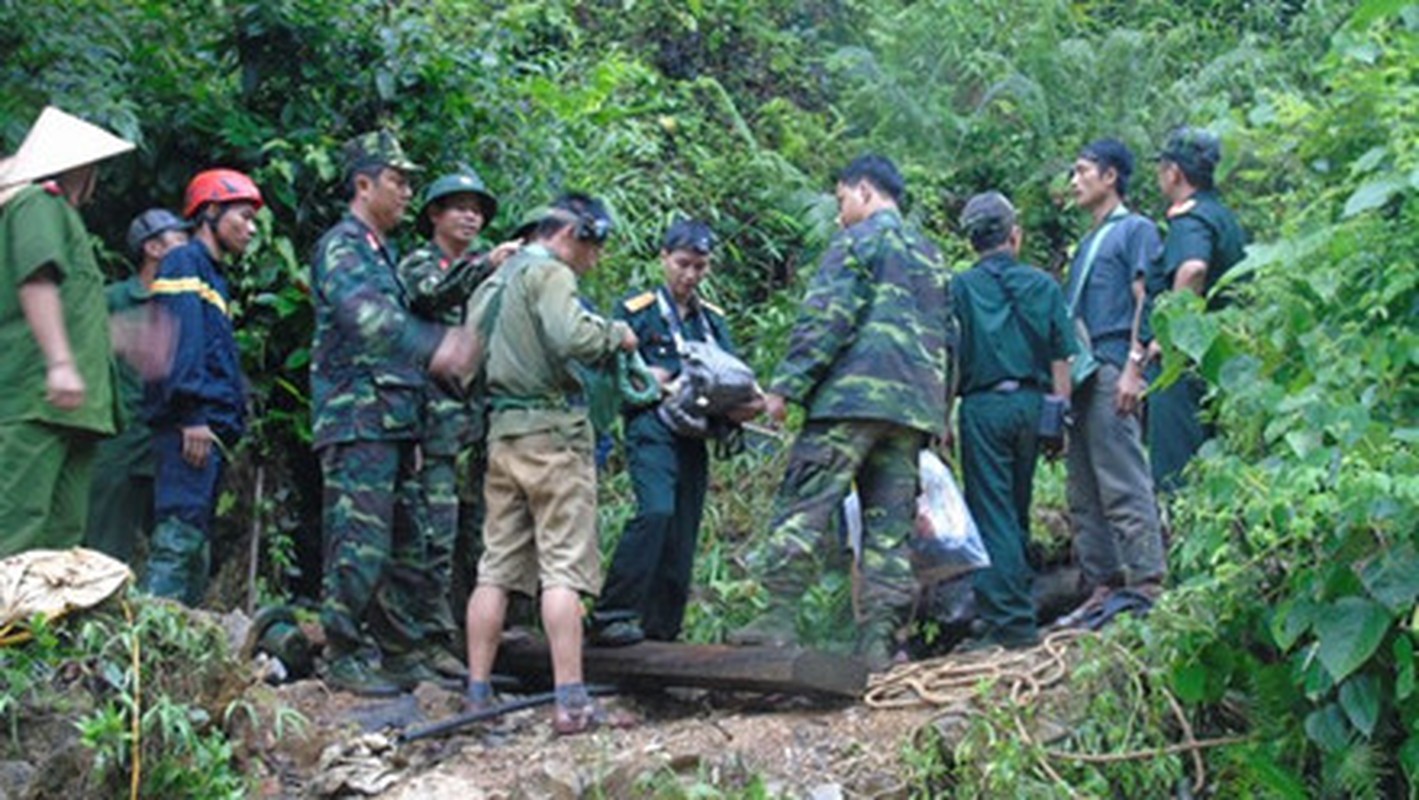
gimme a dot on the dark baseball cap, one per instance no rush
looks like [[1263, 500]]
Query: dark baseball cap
[[689, 234], [1193, 149], [986, 213]]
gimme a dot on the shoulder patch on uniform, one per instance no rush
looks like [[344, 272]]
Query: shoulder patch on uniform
[[712, 307], [639, 302], [1178, 209]]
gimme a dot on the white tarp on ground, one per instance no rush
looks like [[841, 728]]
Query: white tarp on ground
[[55, 582]]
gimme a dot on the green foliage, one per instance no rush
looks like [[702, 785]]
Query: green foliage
[[148, 658], [1295, 555]]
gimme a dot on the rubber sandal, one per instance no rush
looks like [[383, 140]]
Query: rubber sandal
[[1121, 601], [568, 721]]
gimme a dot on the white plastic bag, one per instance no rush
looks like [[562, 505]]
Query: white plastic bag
[[947, 542]]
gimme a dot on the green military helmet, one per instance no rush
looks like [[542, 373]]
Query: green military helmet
[[1196, 150], [465, 181], [379, 148]]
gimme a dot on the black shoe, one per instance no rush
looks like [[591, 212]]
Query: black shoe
[[621, 633], [350, 673], [408, 670]]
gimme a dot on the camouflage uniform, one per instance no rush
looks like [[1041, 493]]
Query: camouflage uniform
[[1199, 227], [367, 382], [452, 422], [868, 360]]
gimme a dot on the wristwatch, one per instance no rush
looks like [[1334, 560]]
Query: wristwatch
[[1139, 357]]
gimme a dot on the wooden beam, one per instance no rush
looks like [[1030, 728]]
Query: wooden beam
[[707, 666]]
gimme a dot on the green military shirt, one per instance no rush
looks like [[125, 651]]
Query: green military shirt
[[539, 327], [871, 338], [1013, 324], [1200, 228], [131, 451], [38, 227], [451, 419]]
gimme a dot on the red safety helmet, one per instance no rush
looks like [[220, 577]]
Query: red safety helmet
[[219, 186]]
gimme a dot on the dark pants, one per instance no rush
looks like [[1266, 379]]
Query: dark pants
[[1116, 533], [184, 498], [375, 576], [999, 448], [651, 572], [121, 497], [1175, 429]]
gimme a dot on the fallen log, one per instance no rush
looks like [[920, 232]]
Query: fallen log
[[705, 666]]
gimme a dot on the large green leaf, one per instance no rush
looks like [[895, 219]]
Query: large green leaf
[[1393, 578], [1347, 633], [1326, 727], [1374, 194], [1292, 619], [1360, 700]]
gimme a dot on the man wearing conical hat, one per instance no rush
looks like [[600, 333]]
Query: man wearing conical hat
[[56, 367]]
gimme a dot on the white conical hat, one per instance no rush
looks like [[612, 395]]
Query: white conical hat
[[57, 143]]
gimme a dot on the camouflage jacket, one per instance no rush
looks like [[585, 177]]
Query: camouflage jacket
[[368, 362], [539, 327], [451, 418], [871, 338]]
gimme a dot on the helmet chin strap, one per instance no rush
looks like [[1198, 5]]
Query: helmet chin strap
[[213, 221]]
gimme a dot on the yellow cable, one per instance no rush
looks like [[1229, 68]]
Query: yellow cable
[[136, 726]]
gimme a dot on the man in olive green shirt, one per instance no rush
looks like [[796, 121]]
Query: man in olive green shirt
[[59, 395], [1015, 341], [540, 489], [121, 498]]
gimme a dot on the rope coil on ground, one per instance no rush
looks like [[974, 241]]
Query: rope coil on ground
[[953, 680]]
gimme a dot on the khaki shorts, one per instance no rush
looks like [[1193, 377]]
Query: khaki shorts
[[540, 491]]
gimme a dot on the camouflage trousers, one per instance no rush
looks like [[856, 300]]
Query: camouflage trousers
[[827, 458], [376, 583], [468, 547], [435, 515]]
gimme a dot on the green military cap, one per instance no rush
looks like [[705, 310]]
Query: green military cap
[[986, 213], [1193, 149], [376, 148], [465, 181]]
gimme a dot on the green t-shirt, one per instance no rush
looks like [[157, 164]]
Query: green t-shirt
[[1013, 325], [38, 229]]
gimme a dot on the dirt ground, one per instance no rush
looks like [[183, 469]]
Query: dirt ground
[[795, 747]]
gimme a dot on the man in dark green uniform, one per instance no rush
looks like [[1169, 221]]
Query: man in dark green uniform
[[649, 581], [369, 364], [1015, 341], [867, 358], [440, 277], [1204, 240], [121, 497], [59, 396]]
